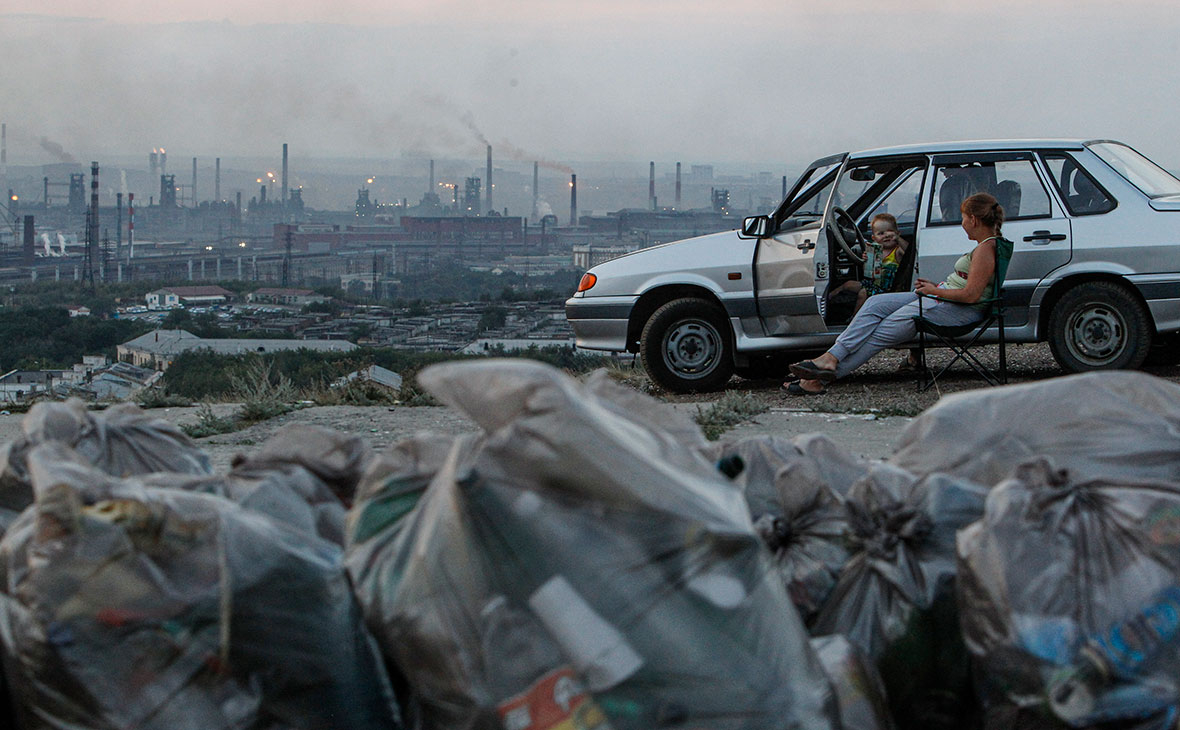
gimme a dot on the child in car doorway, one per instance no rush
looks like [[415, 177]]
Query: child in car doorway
[[881, 261]]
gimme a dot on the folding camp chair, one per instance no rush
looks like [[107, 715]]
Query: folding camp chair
[[961, 338]]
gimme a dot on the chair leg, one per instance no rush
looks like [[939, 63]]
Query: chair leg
[[1003, 352]]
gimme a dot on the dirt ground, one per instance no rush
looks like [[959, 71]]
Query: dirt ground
[[865, 414]]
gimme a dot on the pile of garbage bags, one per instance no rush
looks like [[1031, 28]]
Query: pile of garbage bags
[[588, 560]]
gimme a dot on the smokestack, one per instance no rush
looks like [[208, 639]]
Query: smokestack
[[536, 194], [118, 225], [154, 166], [194, 200], [651, 186], [491, 206], [677, 186], [163, 162], [130, 226], [284, 174], [92, 243], [29, 242], [3, 145], [573, 200], [217, 180], [431, 188]]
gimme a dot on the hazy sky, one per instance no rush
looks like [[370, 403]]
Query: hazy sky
[[780, 81]]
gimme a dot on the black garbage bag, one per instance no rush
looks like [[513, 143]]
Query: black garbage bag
[[569, 546], [895, 597], [1070, 597], [305, 476], [123, 606], [122, 441], [796, 510], [859, 689], [1118, 424]]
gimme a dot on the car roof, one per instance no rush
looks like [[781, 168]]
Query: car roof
[[973, 146]]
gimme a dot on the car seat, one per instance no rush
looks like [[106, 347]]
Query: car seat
[[1008, 194], [951, 195]]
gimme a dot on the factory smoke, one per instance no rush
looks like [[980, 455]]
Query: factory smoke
[[55, 149]]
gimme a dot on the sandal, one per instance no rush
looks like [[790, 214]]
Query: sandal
[[809, 370], [905, 366], [795, 388]]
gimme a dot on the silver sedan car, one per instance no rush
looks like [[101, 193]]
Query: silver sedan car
[[1095, 271]]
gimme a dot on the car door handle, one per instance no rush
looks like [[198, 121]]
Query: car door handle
[[1040, 238], [806, 245]]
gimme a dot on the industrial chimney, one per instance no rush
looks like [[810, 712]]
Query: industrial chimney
[[573, 200], [163, 162], [29, 241], [536, 194], [217, 180], [431, 189], [92, 233], [491, 206], [677, 186], [284, 174], [193, 202], [651, 186], [154, 166]]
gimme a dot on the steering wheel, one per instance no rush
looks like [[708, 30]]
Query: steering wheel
[[844, 228]]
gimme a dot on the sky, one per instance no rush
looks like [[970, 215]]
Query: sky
[[769, 83]]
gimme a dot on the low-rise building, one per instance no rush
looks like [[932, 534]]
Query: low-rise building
[[290, 297], [176, 296], [158, 349]]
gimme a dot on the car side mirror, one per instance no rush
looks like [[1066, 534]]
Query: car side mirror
[[757, 226]]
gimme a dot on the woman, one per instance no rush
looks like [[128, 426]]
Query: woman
[[886, 320]]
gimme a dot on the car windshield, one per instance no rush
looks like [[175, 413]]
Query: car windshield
[[808, 204], [1141, 172]]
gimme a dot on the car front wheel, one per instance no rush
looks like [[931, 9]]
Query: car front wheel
[[1099, 325], [685, 346]]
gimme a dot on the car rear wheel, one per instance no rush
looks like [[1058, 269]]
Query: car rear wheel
[[1099, 325], [685, 346]]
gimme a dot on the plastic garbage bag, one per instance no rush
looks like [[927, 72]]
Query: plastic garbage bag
[[123, 441], [895, 597], [1118, 424], [123, 606], [796, 512], [305, 476], [859, 690], [591, 552], [1070, 596]]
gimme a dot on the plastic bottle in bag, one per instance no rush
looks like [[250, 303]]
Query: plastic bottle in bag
[[534, 687]]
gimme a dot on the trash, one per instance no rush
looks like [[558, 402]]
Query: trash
[[621, 546], [1117, 424], [124, 606], [796, 510], [895, 596], [122, 441], [304, 476], [859, 690], [1070, 594]]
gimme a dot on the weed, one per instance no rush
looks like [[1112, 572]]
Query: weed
[[159, 397], [355, 393], [264, 393], [731, 409], [208, 423]]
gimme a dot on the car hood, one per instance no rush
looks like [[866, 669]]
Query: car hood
[[1166, 202], [695, 260]]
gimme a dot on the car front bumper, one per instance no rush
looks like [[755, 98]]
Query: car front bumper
[[600, 323]]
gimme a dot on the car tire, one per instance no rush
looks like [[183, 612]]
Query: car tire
[[1099, 325], [686, 348]]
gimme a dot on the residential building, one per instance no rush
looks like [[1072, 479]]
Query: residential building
[[158, 349], [177, 296]]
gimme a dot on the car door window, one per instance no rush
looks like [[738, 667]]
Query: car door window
[[1080, 192], [902, 201], [1014, 183]]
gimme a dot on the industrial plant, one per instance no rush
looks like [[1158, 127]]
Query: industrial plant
[[289, 225]]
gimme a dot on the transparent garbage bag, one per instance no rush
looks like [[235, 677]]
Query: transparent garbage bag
[[615, 559], [305, 476], [1119, 424], [123, 441], [859, 689], [796, 510], [1070, 596], [125, 606], [895, 597]]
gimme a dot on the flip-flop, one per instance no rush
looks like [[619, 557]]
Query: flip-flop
[[809, 370], [796, 389]]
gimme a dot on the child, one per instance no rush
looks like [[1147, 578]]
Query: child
[[882, 260]]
